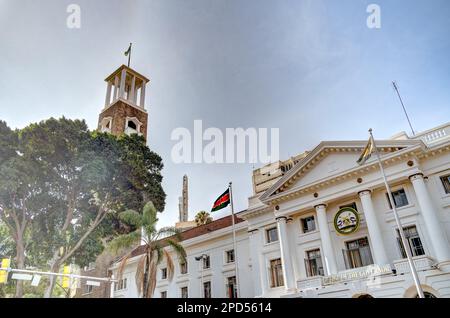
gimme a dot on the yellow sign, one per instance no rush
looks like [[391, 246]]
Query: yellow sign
[[4, 273], [66, 279]]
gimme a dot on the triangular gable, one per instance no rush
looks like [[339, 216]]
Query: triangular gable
[[320, 156]]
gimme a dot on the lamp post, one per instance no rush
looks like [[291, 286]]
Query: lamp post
[[198, 259]]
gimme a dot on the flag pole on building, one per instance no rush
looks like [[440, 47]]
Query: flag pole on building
[[234, 242], [221, 202], [372, 147]]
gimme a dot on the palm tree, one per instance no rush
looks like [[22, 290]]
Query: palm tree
[[154, 252], [202, 218]]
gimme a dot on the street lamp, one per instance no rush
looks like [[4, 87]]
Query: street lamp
[[198, 259]]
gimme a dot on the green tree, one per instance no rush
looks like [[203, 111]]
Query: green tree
[[154, 247], [23, 195], [202, 218], [62, 187]]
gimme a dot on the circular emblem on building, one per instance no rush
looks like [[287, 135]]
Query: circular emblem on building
[[346, 221]]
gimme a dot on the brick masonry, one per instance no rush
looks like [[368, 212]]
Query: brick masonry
[[119, 111]]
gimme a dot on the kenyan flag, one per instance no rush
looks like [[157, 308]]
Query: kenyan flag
[[222, 201]]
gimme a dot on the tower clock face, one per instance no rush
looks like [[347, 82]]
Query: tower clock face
[[346, 221]]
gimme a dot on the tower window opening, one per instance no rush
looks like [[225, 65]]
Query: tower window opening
[[132, 125]]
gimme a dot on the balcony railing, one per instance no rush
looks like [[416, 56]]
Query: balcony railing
[[435, 135], [420, 262]]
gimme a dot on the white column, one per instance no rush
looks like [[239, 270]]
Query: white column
[[376, 237], [123, 77], [288, 270], [132, 90], [142, 103], [108, 95], [327, 247], [258, 276], [116, 87], [430, 216]]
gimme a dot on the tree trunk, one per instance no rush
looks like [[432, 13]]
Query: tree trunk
[[20, 263], [52, 279], [145, 285]]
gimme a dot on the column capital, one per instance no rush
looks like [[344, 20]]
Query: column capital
[[364, 192], [280, 218], [321, 205], [416, 176]]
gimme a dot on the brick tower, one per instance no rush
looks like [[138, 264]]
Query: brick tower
[[124, 110]]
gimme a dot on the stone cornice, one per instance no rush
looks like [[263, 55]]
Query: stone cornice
[[346, 175], [326, 147]]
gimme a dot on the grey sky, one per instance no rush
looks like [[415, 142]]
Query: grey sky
[[310, 67]]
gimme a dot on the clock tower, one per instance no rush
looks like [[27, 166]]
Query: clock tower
[[124, 110]]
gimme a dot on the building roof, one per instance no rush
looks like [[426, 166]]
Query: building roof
[[196, 231]]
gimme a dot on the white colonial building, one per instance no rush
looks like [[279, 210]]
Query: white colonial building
[[320, 225]]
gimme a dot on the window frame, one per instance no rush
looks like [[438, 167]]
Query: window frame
[[409, 238], [393, 198], [268, 239], [227, 259], [164, 273], [206, 262], [181, 291], [302, 224], [210, 289], [276, 273], [308, 259], [445, 182], [184, 265]]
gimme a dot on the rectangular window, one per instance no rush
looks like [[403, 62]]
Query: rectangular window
[[121, 284], [308, 224], [207, 290], [88, 289], [272, 235], [414, 242], [206, 262], [184, 292], [276, 273], [358, 253], [230, 256], [446, 183], [183, 268], [163, 294], [313, 263], [163, 273], [231, 287], [400, 198]]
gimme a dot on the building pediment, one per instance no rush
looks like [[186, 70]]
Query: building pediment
[[333, 158]]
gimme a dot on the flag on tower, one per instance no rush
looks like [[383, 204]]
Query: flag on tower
[[222, 201], [128, 51]]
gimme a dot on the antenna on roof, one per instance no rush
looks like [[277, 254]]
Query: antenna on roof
[[404, 109]]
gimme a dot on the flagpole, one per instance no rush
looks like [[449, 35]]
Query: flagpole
[[234, 242], [397, 220]]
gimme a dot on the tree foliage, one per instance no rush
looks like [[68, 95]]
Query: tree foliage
[[202, 218], [62, 186]]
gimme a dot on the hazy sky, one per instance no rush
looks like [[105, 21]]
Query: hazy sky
[[309, 67]]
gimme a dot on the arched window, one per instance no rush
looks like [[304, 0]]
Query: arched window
[[106, 124], [427, 295], [365, 296], [132, 125]]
